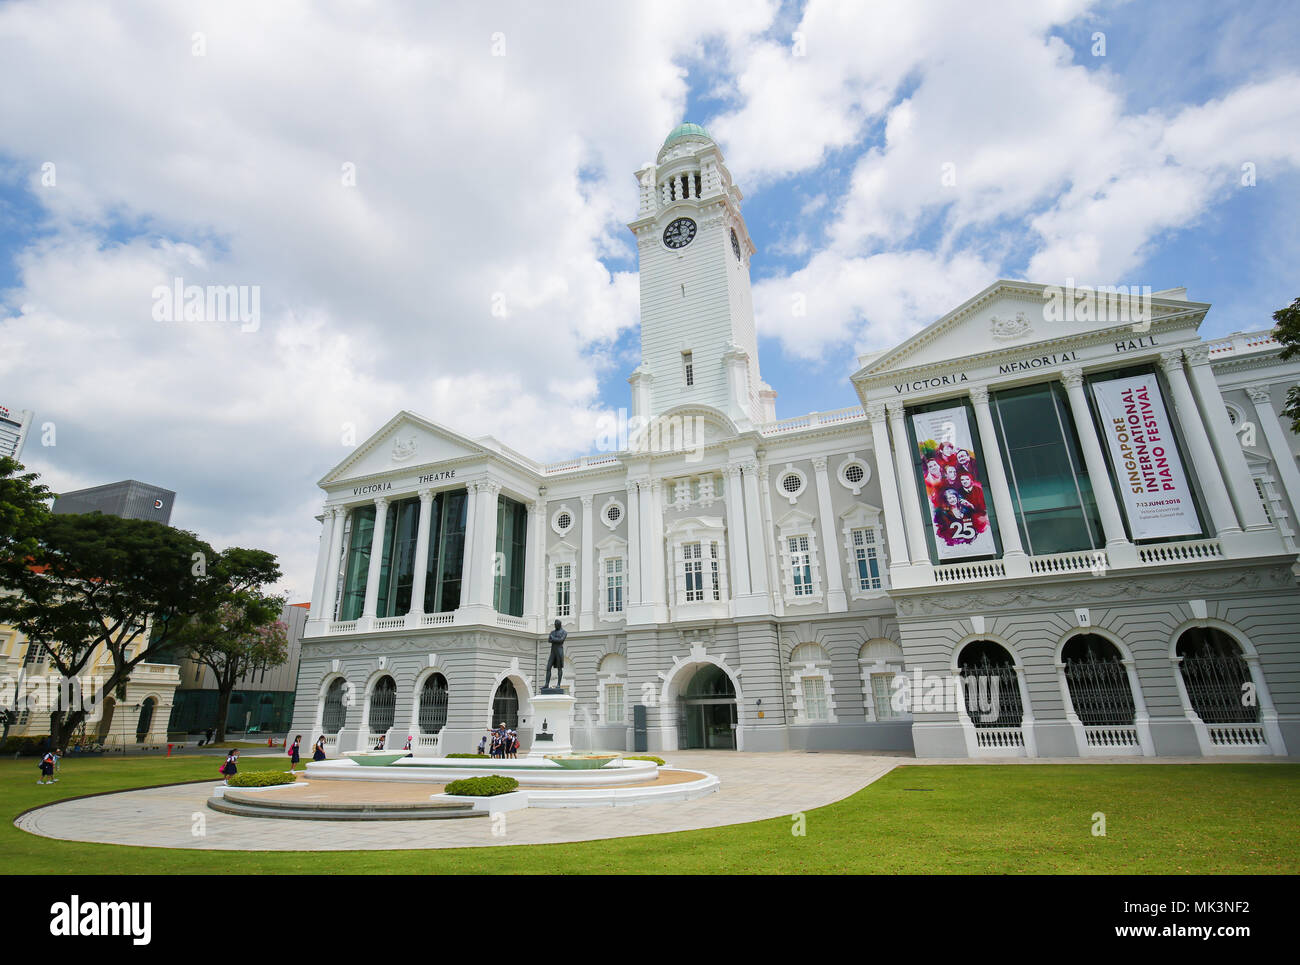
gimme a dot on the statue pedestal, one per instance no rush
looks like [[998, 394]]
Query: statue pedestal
[[556, 710]]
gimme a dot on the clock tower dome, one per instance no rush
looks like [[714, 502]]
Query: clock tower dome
[[698, 342]]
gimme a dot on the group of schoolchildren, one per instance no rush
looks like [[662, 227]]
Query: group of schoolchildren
[[501, 742]]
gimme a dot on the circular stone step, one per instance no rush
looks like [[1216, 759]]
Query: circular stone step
[[260, 807]]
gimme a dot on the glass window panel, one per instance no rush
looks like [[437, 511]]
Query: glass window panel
[[357, 568]]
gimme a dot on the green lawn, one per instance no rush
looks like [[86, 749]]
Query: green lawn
[[1167, 819]]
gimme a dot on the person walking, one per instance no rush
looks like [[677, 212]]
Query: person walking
[[47, 769], [293, 752], [319, 753], [231, 767]]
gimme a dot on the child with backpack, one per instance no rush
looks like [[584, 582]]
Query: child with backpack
[[231, 767], [293, 753], [47, 769]]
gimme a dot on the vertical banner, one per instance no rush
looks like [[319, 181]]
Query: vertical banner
[[1157, 495], [949, 468]]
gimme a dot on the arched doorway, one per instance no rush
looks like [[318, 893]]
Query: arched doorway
[[146, 719], [1216, 677], [990, 685], [383, 705], [433, 704], [106, 720], [505, 705], [335, 712], [706, 711]]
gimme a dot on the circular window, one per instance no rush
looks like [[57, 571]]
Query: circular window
[[791, 483], [564, 521], [614, 514], [854, 473]]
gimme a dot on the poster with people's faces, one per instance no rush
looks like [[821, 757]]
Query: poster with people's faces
[[949, 468]]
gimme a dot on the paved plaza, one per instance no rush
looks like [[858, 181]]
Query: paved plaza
[[754, 787]]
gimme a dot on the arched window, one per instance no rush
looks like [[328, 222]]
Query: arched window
[[433, 704], [710, 681], [505, 705], [1098, 682], [990, 685], [336, 713], [880, 661], [383, 703], [611, 696], [1216, 677]]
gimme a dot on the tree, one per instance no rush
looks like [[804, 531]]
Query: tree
[[22, 510], [1288, 333], [93, 580], [243, 633]]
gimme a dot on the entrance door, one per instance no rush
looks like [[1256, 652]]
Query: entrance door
[[707, 711]]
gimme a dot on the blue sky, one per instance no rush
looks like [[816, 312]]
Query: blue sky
[[503, 173]]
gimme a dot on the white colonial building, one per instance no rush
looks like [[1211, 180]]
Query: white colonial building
[[1069, 527]]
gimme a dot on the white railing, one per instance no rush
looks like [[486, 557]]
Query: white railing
[[390, 623], [1107, 736], [812, 420], [1204, 549], [584, 462], [999, 737], [1093, 561], [1237, 735], [437, 619], [374, 740], [968, 572], [1242, 342], [332, 740], [343, 626], [428, 740], [505, 620]]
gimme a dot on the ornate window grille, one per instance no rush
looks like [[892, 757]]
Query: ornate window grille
[[336, 712], [433, 704], [990, 685], [1098, 682], [383, 705], [1216, 677]]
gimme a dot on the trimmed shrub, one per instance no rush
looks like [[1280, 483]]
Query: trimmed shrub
[[32, 746], [482, 786], [647, 757], [467, 755], [262, 779]]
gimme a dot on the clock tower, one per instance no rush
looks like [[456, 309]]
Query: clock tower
[[698, 342]]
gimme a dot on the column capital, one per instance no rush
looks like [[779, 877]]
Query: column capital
[[1260, 394], [587, 501], [1172, 362], [731, 470], [338, 512], [381, 502], [895, 409], [1072, 377], [632, 488], [749, 465], [426, 495], [1197, 354], [876, 411], [819, 463], [979, 394]]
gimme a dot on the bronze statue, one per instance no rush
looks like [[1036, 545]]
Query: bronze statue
[[556, 659]]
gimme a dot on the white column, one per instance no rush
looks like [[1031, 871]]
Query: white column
[[585, 579], [1013, 551], [1279, 445], [754, 534], [1118, 548], [467, 573], [769, 538], [737, 544], [376, 559], [655, 585], [917, 551], [534, 578], [895, 529], [329, 589], [322, 564], [836, 600], [633, 546], [1250, 511], [485, 559], [420, 578], [1222, 517]]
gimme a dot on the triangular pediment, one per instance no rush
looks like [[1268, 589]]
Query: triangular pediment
[[1018, 317], [406, 441]]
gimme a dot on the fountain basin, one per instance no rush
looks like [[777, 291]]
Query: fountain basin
[[376, 758], [582, 762]]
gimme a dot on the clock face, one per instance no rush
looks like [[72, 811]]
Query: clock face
[[735, 244], [679, 233]]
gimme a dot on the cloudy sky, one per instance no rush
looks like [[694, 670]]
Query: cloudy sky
[[385, 174]]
